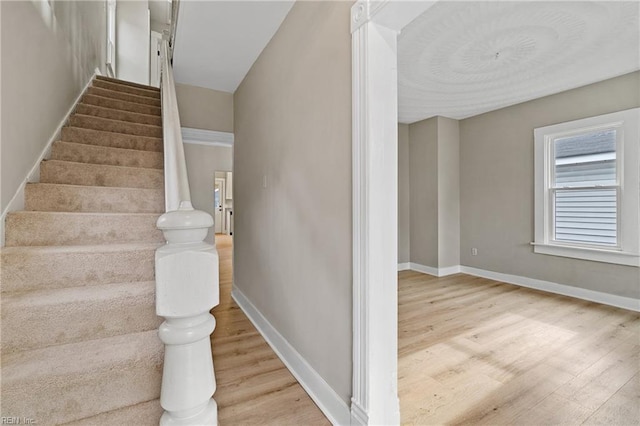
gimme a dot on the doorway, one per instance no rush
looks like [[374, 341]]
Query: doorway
[[223, 202]]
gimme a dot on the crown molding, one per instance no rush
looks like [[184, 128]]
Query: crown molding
[[207, 137]]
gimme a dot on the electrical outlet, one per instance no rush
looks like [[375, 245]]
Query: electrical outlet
[[264, 181], [474, 251]]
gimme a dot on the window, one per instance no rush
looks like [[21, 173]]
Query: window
[[587, 184]]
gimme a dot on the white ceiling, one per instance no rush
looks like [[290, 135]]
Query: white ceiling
[[217, 42], [461, 59]]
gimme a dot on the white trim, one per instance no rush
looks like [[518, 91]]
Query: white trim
[[551, 287], [374, 26], [405, 266], [628, 251], [207, 137], [17, 201], [322, 394], [430, 270], [449, 270]]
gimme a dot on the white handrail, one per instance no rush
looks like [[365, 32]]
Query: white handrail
[[187, 285], [176, 180]]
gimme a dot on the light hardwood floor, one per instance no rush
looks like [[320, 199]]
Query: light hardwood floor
[[471, 351], [254, 386], [474, 351]]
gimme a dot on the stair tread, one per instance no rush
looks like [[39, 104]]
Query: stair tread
[[99, 108], [79, 357], [128, 97], [99, 165], [96, 248], [144, 413], [128, 83], [150, 156], [82, 214], [54, 296], [125, 88], [96, 99], [113, 120], [159, 140], [95, 188], [74, 314]]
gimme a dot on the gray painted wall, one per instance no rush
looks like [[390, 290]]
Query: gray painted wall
[[403, 193], [434, 192], [48, 54], [448, 193], [497, 211], [293, 238], [423, 192]]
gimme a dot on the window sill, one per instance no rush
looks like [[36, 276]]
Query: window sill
[[606, 256]]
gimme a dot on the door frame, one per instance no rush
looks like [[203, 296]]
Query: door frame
[[223, 188], [375, 25]]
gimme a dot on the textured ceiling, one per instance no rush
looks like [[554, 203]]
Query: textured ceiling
[[460, 59], [217, 42]]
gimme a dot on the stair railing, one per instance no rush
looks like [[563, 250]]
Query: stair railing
[[187, 285]]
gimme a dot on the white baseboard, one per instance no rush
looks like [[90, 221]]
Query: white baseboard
[[551, 287], [548, 286], [322, 394], [429, 270], [17, 201], [405, 266]]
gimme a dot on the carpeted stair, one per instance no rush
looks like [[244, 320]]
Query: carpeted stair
[[79, 330]]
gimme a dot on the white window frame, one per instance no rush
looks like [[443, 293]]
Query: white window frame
[[627, 251]]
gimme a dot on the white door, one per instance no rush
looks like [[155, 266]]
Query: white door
[[218, 205], [154, 59]]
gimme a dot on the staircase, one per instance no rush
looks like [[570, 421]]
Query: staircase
[[79, 331]]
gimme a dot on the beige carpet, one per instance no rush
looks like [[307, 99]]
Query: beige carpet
[[79, 330]]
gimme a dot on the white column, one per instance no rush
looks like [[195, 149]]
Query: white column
[[187, 288], [375, 215]]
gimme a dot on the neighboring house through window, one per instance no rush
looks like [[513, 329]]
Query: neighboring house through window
[[587, 184]]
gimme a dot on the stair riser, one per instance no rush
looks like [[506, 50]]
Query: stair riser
[[124, 312], [123, 96], [114, 140], [127, 83], [100, 175], [121, 105], [60, 396], [95, 154], [116, 114], [55, 229], [37, 270], [106, 125], [124, 88], [91, 199]]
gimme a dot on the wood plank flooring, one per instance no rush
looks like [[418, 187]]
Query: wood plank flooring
[[471, 351], [254, 386], [474, 351]]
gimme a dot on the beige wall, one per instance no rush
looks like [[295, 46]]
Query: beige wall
[[403, 193], [497, 211], [49, 52], [423, 192], [202, 108], [202, 163], [293, 238], [448, 193], [207, 109]]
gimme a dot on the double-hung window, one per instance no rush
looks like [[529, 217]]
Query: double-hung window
[[587, 184]]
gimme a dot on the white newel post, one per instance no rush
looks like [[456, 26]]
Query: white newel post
[[186, 290]]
